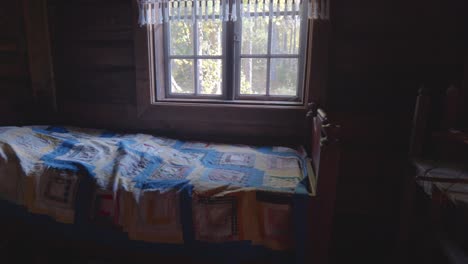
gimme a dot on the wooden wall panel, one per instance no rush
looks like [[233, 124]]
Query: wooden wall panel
[[15, 93], [40, 60], [94, 56], [104, 16], [392, 45], [98, 86], [381, 53], [91, 55]]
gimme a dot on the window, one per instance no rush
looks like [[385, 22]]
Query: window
[[231, 51]]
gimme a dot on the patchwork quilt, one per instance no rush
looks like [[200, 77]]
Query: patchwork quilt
[[154, 188]]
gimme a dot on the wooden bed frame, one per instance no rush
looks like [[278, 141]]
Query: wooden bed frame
[[325, 155], [322, 143]]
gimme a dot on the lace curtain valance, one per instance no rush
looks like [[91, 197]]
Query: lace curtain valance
[[161, 11]]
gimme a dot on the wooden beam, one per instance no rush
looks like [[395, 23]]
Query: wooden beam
[[419, 123], [39, 54], [316, 72]]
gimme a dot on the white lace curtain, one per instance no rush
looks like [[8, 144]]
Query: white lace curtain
[[162, 11]]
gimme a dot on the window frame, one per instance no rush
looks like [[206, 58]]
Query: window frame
[[231, 71], [302, 51], [166, 90]]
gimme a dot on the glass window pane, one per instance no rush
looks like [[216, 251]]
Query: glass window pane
[[211, 77], [255, 35], [182, 78], [285, 35], [181, 41], [210, 34], [283, 77], [253, 76]]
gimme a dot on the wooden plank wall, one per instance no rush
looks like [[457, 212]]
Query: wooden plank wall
[[15, 93], [93, 50], [381, 52]]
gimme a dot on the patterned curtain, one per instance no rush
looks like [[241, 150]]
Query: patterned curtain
[[153, 12]]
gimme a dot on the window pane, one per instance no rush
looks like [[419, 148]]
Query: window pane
[[285, 35], [182, 78], [210, 37], [283, 77], [211, 78], [181, 38], [253, 76], [255, 35]]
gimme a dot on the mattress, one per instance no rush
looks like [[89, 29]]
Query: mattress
[[158, 189]]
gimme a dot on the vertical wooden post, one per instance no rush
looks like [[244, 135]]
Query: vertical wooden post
[[316, 72], [452, 107], [464, 87], [40, 55], [419, 123], [325, 160], [418, 133]]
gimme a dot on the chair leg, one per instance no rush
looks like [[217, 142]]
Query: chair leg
[[406, 221]]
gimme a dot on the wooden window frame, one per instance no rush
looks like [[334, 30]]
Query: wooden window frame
[[164, 92], [231, 58], [299, 98], [232, 112]]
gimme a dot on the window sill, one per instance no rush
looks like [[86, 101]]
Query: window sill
[[222, 113], [213, 103]]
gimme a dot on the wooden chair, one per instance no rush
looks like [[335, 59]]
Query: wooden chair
[[438, 154]]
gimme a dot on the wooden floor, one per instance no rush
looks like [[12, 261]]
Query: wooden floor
[[19, 252], [41, 241], [34, 246]]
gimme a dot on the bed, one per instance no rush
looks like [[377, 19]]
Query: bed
[[170, 193]]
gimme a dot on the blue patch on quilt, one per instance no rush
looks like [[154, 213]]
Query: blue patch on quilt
[[178, 144], [238, 177], [51, 129], [57, 129], [49, 159], [229, 160], [108, 134], [273, 151]]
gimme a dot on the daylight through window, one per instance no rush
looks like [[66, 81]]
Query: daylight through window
[[237, 50]]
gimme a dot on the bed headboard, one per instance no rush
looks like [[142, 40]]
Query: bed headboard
[[323, 142], [324, 150]]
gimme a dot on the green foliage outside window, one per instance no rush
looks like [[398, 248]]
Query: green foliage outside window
[[285, 39]]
